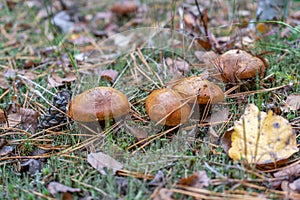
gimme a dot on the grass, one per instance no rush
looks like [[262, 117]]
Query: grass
[[176, 154]]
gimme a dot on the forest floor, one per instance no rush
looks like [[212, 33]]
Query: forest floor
[[47, 47]]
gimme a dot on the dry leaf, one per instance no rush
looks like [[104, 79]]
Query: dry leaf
[[162, 194], [158, 179], [139, 133], [2, 116], [178, 65], [289, 173], [226, 140], [109, 74], [27, 118], [55, 80], [55, 187], [100, 161], [33, 166], [295, 185], [206, 57], [3, 142], [292, 102], [3, 82], [198, 180], [5, 150], [28, 74], [262, 138]]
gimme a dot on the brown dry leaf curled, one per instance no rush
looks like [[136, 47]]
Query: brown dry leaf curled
[[198, 180], [55, 80], [262, 138], [27, 118], [100, 161]]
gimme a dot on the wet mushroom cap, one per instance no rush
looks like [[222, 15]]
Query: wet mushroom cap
[[98, 104], [205, 91], [166, 102], [236, 64]]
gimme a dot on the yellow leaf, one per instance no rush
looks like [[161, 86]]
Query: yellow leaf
[[262, 138]]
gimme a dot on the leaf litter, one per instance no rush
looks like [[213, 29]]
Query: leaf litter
[[103, 162], [197, 21]]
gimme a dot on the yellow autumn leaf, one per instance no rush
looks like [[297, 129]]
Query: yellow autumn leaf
[[262, 138]]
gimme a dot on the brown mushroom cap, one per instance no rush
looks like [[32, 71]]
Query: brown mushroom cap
[[124, 7], [98, 104], [206, 91], [237, 65], [162, 102]]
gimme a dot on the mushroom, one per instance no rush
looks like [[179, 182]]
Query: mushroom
[[124, 7], [165, 106], [205, 91], [98, 104], [236, 64]]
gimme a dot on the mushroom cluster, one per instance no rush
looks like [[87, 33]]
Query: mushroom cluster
[[171, 106], [167, 106]]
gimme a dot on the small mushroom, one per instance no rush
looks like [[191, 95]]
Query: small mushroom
[[205, 91], [166, 107], [124, 7], [98, 104], [235, 65]]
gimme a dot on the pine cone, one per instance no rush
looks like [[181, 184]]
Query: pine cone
[[54, 117]]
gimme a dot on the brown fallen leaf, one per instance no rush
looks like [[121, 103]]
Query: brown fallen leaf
[[3, 142], [27, 118], [162, 194], [206, 57], [55, 80], [2, 116], [109, 74], [55, 187], [288, 173], [3, 82], [178, 65], [100, 161], [28, 74], [292, 102], [30, 63], [198, 180], [226, 140], [138, 133]]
